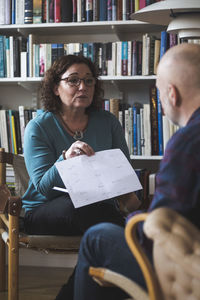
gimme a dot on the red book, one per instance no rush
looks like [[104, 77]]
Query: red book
[[57, 12], [142, 4]]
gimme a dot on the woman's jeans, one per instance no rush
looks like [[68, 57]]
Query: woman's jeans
[[59, 217]]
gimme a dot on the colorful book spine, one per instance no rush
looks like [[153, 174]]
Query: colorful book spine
[[2, 56], [154, 120], [37, 11], [124, 58], [51, 11], [13, 11], [142, 4], [57, 11], [119, 10], [79, 11]]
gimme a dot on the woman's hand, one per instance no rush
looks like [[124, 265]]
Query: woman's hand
[[78, 148], [128, 203]]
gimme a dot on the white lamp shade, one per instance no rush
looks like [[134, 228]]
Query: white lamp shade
[[182, 16]]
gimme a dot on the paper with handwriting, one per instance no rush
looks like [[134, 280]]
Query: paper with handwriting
[[102, 176]]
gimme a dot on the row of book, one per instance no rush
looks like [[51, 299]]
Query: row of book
[[146, 130], [12, 126], [20, 57], [50, 11]]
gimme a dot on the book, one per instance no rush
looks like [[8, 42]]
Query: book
[[137, 5], [66, 12], [7, 18], [147, 130], [79, 11], [51, 11], [57, 11], [19, 11], [103, 10], [142, 4], [37, 11], [114, 10], [114, 107], [163, 43], [74, 10], [83, 14], [21, 124], [89, 10], [2, 56], [124, 58], [156, 55], [2, 12], [109, 10], [4, 130], [28, 11], [154, 120], [160, 125], [119, 10]]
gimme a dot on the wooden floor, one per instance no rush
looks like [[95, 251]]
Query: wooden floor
[[40, 283]]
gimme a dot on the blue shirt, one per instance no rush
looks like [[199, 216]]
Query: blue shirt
[[45, 139]]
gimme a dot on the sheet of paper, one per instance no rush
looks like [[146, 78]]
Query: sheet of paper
[[102, 176]]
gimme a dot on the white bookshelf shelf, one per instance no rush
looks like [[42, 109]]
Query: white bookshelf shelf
[[152, 157]]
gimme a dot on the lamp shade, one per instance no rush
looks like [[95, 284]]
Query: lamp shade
[[182, 16]]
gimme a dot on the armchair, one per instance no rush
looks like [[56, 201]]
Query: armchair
[[176, 254], [10, 234]]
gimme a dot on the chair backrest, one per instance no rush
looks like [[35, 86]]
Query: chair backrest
[[19, 167], [176, 252]]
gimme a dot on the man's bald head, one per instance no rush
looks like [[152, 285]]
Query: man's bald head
[[181, 66], [178, 80]]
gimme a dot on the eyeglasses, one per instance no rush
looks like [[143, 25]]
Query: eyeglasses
[[76, 81]]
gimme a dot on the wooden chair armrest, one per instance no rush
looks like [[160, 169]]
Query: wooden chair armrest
[[140, 256], [106, 277]]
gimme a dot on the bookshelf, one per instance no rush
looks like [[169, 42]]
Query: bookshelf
[[24, 91]]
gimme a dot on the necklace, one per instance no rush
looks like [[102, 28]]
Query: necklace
[[77, 134]]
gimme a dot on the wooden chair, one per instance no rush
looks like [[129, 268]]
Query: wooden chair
[[10, 208], [176, 253]]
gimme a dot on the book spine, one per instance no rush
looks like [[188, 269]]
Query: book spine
[[66, 11], [23, 70], [83, 16], [142, 131], [139, 58], [103, 10], [2, 13], [124, 58], [114, 10], [37, 11], [126, 126], [124, 10], [22, 124], [137, 5], [47, 10], [51, 11], [154, 120], [74, 10], [142, 4], [79, 11], [95, 5], [114, 107], [57, 11], [8, 56], [4, 130], [134, 130], [8, 12], [134, 58], [19, 12], [138, 134], [2, 61], [160, 125], [89, 11], [54, 54], [163, 43], [13, 11], [109, 10], [119, 10], [28, 12]]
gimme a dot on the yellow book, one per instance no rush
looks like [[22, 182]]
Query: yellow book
[[14, 134], [137, 5]]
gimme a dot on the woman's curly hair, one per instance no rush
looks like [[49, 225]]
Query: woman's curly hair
[[52, 77]]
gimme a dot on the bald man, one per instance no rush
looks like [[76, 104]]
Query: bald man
[[177, 182]]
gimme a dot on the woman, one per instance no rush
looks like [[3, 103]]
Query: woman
[[72, 124]]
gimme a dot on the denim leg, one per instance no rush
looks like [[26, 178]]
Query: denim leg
[[104, 245]]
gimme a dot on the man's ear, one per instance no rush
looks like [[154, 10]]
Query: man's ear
[[173, 95]]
